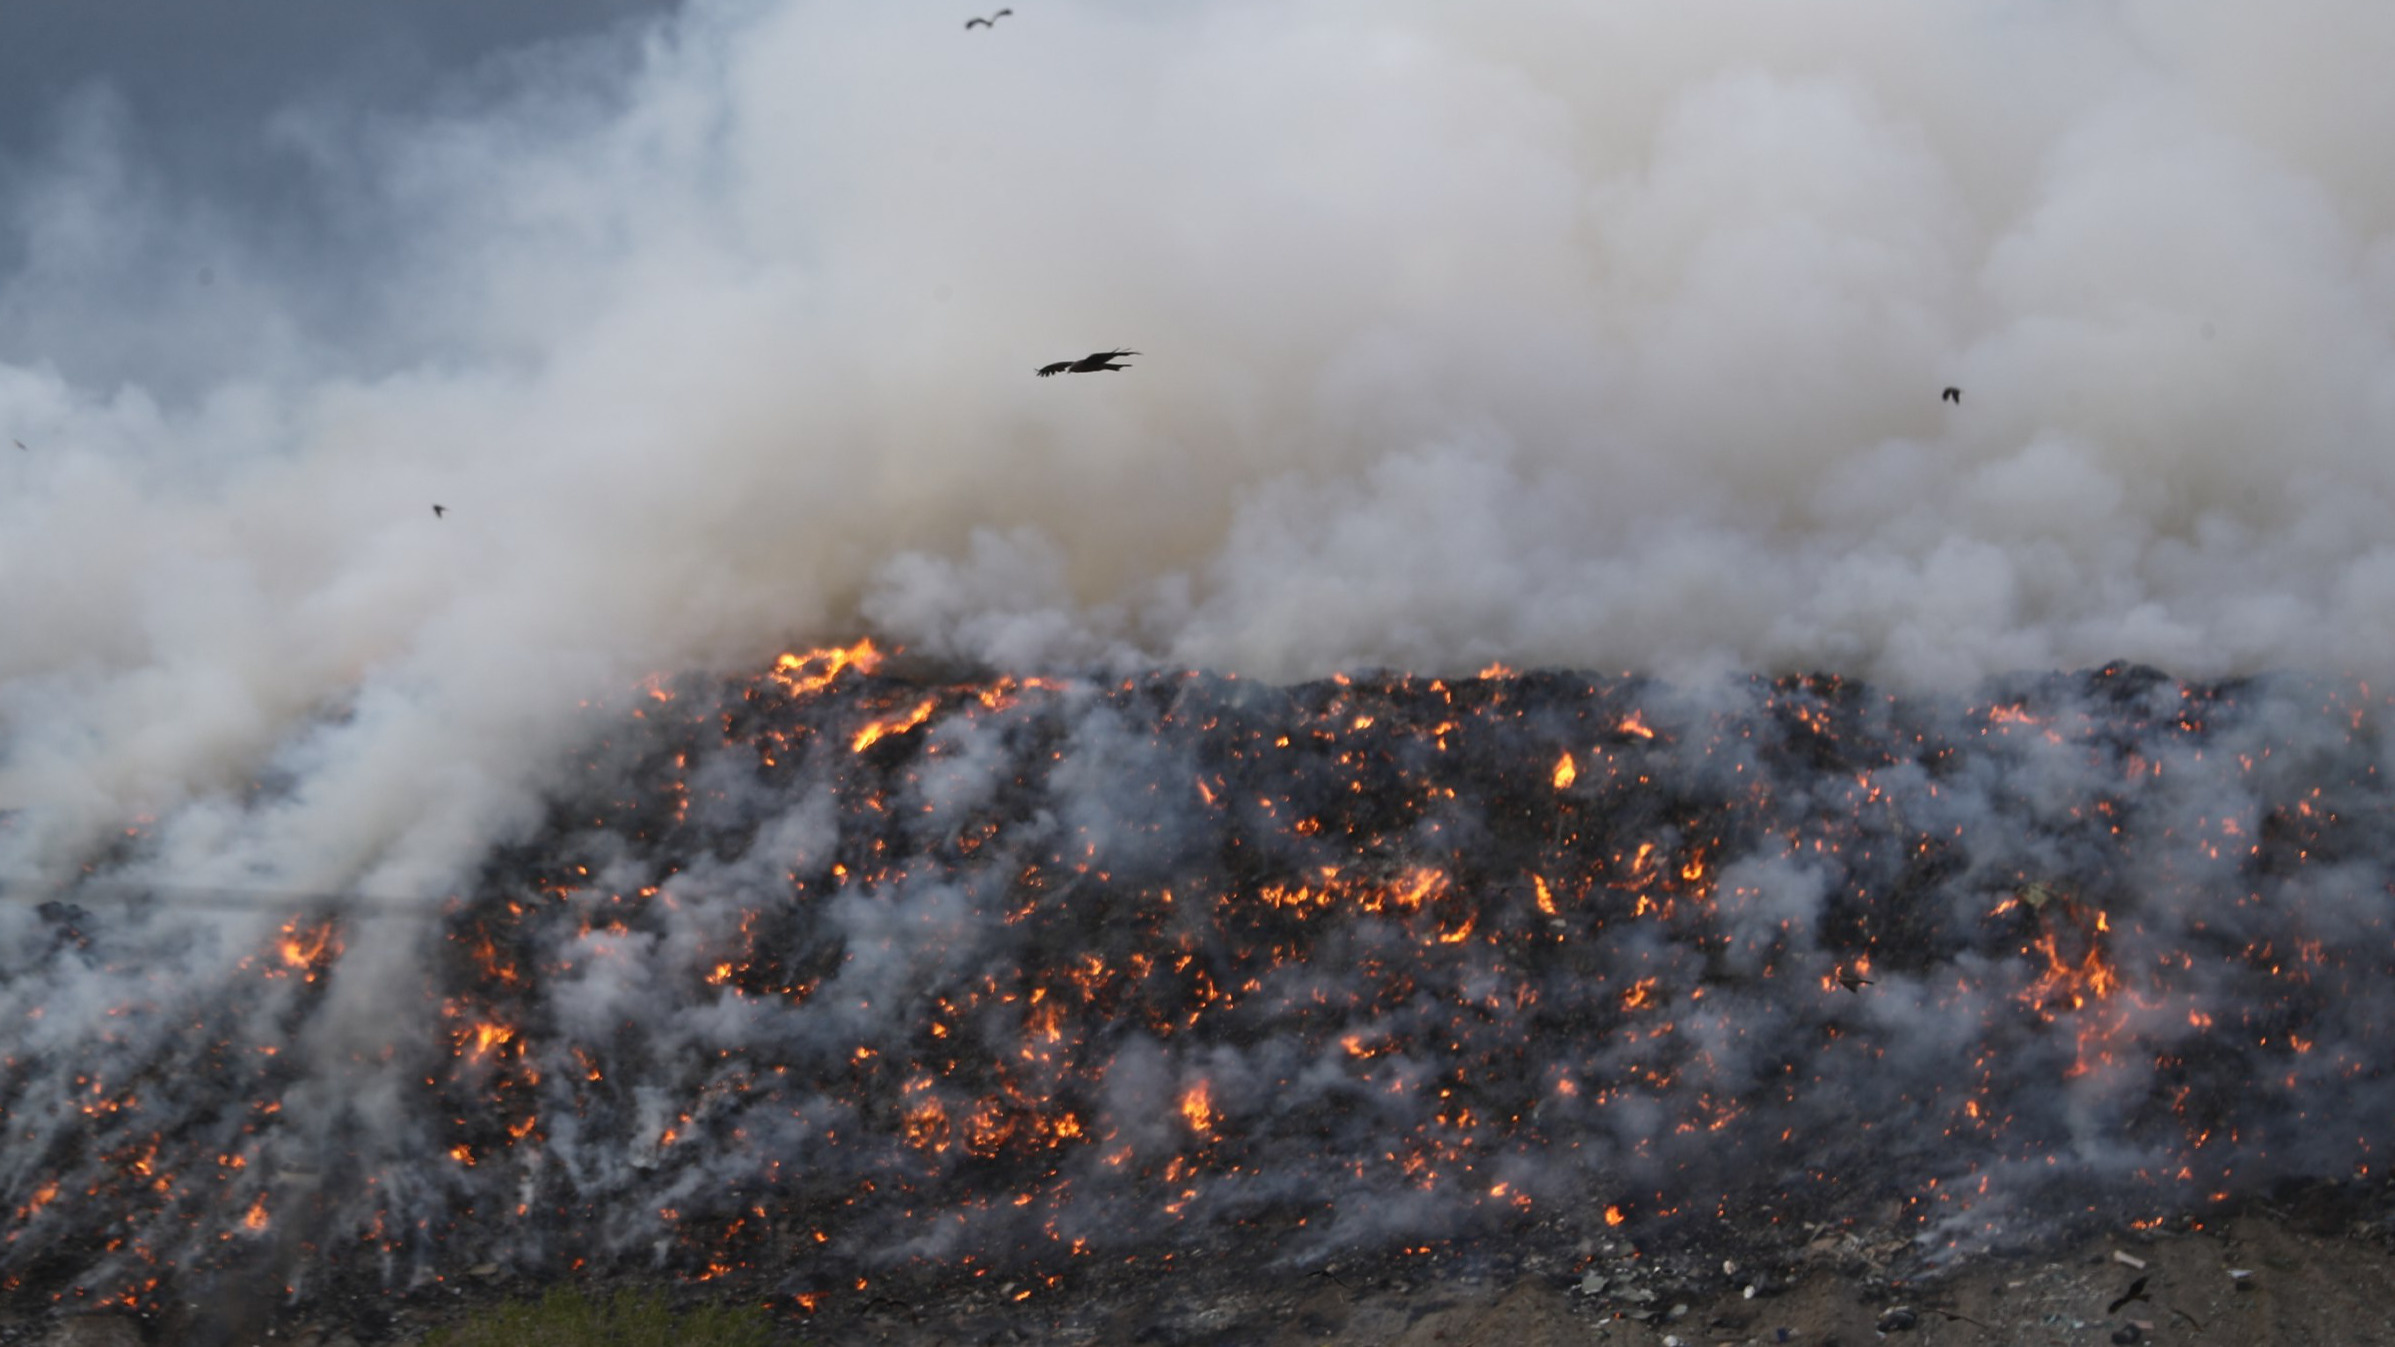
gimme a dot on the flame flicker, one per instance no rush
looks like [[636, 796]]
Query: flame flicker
[[825, 972]]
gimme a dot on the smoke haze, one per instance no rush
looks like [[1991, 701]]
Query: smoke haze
[[1608, 339], [1556, 335]]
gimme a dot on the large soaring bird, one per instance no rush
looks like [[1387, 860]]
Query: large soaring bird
[[1088, 364], [2136, 1291], [990, 22], [1953, 395]]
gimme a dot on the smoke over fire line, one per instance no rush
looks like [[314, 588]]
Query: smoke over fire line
[[823, 972], [1571, 336], [1567, 336]]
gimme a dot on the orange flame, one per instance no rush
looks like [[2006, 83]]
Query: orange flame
[[815, 670], [926, 1124], [878, 730], [302, 946], [2091, 978], [988, 1127], [1565, 772], [485, 1037], [1197, 1106]]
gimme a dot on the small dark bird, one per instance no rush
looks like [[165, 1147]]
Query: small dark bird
[[1088, 364], [1953, 395], [2136, 1291], [1853, 982], [439, 510], [990, 22]]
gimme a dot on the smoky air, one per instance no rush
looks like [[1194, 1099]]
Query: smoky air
[[377, 434], [823, 974]]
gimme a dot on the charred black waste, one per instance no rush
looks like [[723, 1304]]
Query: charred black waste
[[824, 972]]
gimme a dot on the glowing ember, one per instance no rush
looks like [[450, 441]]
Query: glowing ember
[[810, 673], [1197, 1108], [480, 1039], [878, 730], [1019, 972]]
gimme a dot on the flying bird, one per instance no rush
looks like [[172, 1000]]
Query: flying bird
[[439, 510], [1853, 982], [1953, 395], [1088, 364], [990, 22], [2136, 1291]]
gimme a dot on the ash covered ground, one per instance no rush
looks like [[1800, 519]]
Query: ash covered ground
[[839, 987]]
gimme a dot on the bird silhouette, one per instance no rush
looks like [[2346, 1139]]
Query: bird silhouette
[[439, 510], [1088, 364], [990, 22], [2136, 1291], [1953, 395], [1853, 982]]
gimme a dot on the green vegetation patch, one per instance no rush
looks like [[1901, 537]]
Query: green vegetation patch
[[566, 1317]]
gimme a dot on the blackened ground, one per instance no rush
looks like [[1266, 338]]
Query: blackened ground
[[1176, 997], [2310, 1270]]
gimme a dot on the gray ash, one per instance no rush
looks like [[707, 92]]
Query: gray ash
[[824, 977]]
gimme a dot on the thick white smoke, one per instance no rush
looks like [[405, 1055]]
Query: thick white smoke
[[1553, 333]]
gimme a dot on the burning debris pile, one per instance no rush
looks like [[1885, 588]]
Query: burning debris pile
[[825, 973]]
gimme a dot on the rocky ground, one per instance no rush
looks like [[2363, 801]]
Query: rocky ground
[[2260, 1278], [2270, 1275]]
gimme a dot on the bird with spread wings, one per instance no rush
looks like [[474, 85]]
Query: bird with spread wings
[[1088, 364], [990, 22]]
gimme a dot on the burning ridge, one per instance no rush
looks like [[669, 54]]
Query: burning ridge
[[823, 973]]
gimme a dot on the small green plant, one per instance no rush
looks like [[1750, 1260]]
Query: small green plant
[[566, 1317]]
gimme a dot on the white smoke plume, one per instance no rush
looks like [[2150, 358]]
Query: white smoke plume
[[1603, 336]]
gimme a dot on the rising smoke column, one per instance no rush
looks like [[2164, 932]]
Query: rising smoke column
[[1570, 340]]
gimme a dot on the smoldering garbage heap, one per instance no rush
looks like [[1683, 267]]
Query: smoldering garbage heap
[[824, 973]]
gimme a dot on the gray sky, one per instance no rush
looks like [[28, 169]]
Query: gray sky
[[210, 70], [152, 148]]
